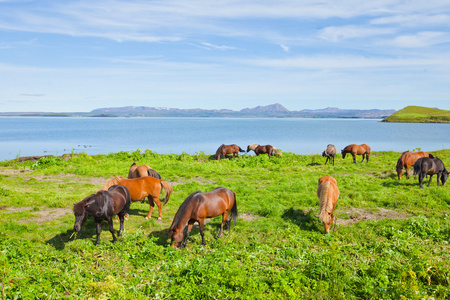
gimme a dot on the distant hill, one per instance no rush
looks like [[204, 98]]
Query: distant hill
[[269, 111], [419, 114]]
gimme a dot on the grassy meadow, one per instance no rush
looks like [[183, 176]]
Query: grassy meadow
[[391, 240]]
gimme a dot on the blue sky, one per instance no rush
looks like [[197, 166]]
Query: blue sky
[[68, 56]]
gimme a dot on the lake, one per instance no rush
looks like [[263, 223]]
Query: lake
[[35, 136]]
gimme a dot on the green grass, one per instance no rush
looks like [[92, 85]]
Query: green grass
[[277, 250], [419, 114]]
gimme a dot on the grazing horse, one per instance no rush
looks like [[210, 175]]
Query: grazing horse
[[328, 194], [142, 187], [430, 166], [228, 149], [354, 150], [197, 207], [329, 153], [407, 159], [258, 149], [141, 171], [102, 206]]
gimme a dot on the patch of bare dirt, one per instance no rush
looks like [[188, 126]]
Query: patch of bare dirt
[[360, 214], [44, 215], [5, 171], [248, 216]]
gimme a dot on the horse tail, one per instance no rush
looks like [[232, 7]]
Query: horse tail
[[153, 173], [326, 204], [168, 188], [241, 150], [234, 212], [277, 151]]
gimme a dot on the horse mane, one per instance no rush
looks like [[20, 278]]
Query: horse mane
[[78, 208], [400, 162], [326, 204], [111, 182], [181, 211], [253, 146], [219, 150]]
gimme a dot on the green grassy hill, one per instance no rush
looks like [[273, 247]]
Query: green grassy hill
[[419, 114]]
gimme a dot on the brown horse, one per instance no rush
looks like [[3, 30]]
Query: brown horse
[[102, 206], [197, 207], [266, 149], [354, 150], [328, 194], [140, 188], [407, 160], [228, 149], [329, 153], [141, 171]]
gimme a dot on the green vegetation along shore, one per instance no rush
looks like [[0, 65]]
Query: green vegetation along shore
[[419, 114], [391, 240]]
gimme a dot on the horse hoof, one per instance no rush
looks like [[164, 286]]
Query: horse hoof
[[147, 218], [159, 219]]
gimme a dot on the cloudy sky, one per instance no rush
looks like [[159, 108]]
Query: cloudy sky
[[67, 56]]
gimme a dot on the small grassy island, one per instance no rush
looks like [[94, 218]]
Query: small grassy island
[[419, 114]]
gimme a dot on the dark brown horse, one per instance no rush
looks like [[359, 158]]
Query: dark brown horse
[[197, 207], [103, 206], [141, 171], [329, 153], [407, 160], [228, 149], [354, 150], [266, 149], [429, 166], [140, 188]]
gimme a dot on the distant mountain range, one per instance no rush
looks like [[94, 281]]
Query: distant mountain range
[[270, 111]]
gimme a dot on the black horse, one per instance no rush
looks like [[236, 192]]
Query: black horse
[[430, 166], [103, 206]]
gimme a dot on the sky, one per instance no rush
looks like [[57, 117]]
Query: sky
[[76, 56]]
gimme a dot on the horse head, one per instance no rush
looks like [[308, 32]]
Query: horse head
[[80, 214], [444, 176], [343, 152], [176, 237]]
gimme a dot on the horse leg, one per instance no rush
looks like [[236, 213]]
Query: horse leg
[[421, 180], [201, 222], [152, 205], [327, 160], [99, 230], [156, 200], [188, 232], [111, 229], [354, 158], [363, 157], [431, 176], [407, 171], [367, 157], [122, 219]]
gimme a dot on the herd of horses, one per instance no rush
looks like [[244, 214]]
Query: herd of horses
[[115, 197]]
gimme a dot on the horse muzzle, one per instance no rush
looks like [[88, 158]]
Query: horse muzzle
[[77, 227]]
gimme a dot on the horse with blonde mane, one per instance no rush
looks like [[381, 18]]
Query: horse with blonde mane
[[142, 171], [354, 150], [328, 194], [223, 150], [407, 160], [266, 149], [142, 187]]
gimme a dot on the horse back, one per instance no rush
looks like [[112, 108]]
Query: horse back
[[214, 203], [120, 198], [141, 187]]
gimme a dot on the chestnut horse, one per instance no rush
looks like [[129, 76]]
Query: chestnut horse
[[141, 171], [228, 149], [197, 207], [407, 159], [329, 153], [429, 166], [354, 150], [102, 206], [258, 149], [142, 187], [328, 194]]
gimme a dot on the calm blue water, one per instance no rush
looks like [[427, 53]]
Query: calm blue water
[[29, 136]]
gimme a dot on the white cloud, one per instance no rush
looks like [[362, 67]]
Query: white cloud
[[336, 34], [421, 39], [285, 48]]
